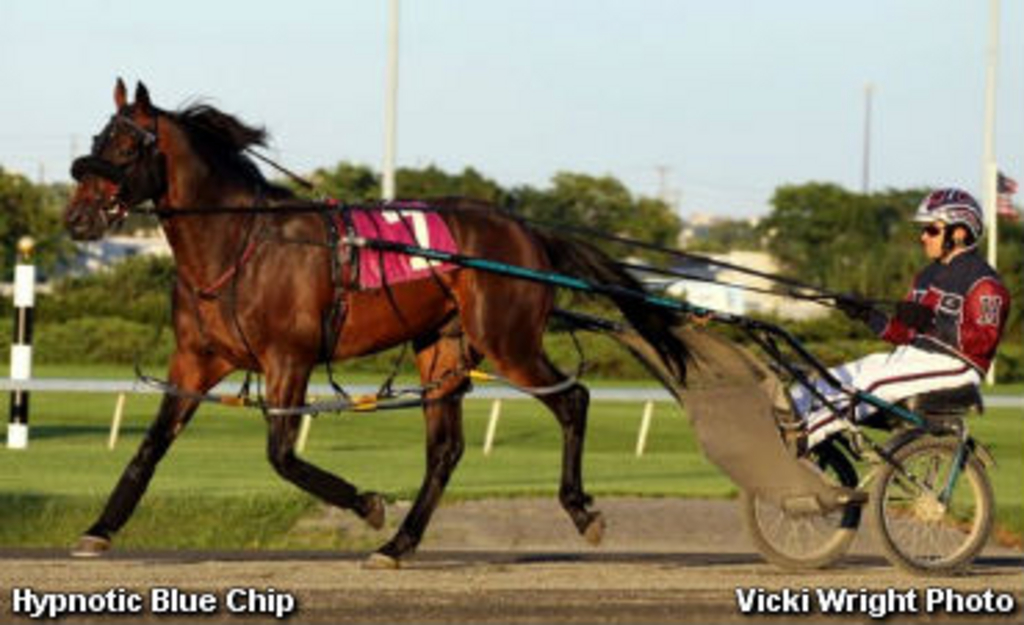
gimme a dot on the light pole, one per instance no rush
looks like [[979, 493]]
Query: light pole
[[390, 107], [989, 167], [865, 180]]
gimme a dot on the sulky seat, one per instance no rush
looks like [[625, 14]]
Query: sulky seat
[[948, 402]]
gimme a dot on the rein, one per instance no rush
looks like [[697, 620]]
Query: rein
[[119, 174], [794, 289], [296, 178]]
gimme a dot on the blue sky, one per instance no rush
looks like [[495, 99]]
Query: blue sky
[[735, 98]]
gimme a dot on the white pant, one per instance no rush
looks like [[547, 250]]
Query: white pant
[[894, 376]]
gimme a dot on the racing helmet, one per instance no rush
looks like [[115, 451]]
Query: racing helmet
[[953, 207]]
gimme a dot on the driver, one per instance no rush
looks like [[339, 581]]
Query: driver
[[946, 330]]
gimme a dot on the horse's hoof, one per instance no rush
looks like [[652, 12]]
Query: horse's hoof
[[376, 511], [595, 529], [90, 547], [381, 562]]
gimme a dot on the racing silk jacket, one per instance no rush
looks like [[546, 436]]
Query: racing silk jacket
[[971, 306]]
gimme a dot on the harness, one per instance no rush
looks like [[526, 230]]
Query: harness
[[342, 244], [211, 290], [342, 276], [139, 173]]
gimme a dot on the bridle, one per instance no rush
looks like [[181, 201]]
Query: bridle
[[138, 173]]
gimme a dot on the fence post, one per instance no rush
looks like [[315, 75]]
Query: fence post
[[492, 426], [21, 346], [304, 425], [645, 426], [115, 423]]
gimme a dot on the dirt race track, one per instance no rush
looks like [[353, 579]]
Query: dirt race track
[[666, 561]]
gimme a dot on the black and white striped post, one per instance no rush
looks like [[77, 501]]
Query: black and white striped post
[[21, 346]]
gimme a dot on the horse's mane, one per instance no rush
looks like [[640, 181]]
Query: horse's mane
[[222, 140]]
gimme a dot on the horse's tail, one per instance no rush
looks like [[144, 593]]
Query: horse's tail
[[666, 354]]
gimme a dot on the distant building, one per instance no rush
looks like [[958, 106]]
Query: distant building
[[699, 226], [98, 255], [695, 227], [714, 287]]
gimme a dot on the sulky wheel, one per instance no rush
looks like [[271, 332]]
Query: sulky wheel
[[803, 540], [924, 529]]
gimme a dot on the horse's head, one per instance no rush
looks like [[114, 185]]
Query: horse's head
[[124, 169]]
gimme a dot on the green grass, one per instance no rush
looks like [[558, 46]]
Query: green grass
[[168, 522], [1017, 388], [1002, 432], [223, 451], [215, 488], [217, 469]]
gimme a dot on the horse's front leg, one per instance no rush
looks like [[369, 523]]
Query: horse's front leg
[[189, 372], [286, 388]]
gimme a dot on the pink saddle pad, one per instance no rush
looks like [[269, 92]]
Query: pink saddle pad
[[407, 223]]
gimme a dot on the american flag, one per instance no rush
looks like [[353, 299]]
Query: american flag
[[1006, 187]]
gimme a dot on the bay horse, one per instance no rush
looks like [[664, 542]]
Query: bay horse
[[250, 296]]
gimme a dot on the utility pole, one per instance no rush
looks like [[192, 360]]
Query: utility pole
[[989, 166], [390, 107], [666, 194], [663, 171], [865, 180]]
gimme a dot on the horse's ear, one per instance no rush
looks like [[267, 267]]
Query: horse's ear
[[142, 102], [120, 95]]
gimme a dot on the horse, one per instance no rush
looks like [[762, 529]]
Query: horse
[[258, 291]]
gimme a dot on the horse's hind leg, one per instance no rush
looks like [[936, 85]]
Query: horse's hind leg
[[505, 320], [569, 407], [286, 387], [441, 366], [189, 372]]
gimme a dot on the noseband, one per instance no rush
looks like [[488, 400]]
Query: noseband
[[139, 177]]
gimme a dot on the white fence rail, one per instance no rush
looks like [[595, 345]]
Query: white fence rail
[[68, 385], [496, 394]]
